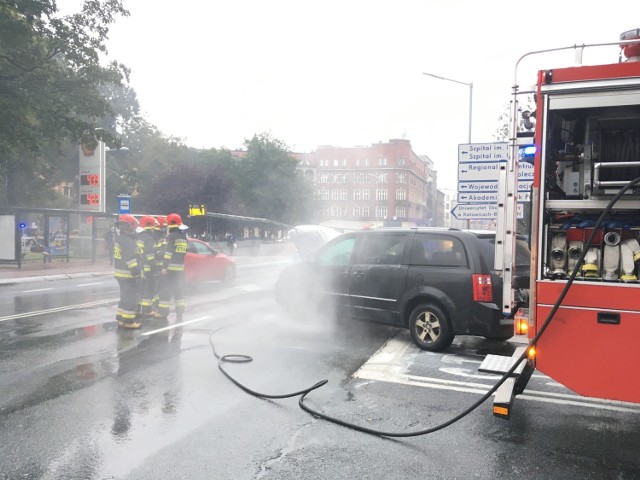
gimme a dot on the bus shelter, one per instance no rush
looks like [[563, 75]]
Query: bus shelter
[[44, 234]]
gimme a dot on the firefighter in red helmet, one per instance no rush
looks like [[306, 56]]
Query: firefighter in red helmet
[[128, 271], [172, 279], [146, 244]]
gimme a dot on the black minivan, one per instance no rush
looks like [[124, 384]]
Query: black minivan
[[436, 282]]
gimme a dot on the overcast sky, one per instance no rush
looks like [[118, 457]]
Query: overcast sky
[[347, 72]]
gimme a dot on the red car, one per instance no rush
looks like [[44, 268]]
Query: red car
[[203, 263]]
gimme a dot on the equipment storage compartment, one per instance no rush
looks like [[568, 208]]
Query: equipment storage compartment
[[571, 350]]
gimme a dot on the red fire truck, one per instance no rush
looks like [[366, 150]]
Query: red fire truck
[[583, 320]]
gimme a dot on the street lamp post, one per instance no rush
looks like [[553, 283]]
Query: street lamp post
[[470, 85]]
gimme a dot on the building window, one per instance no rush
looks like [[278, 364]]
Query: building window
[[382, 161], [356, 211], [401, 212], [366, 162], [323, 178], [383, 178], [343, 211], [323, 194], [401, 161], [381, 211], [344, 162], [357, 195], [401, 194], [365, 212], [382, 194], [343, 194], [334, 210], [365, 194], [345, 178], [357, 162], [402, 178], [335, 163], [335, 194]]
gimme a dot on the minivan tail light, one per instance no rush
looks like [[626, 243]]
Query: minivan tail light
[[482, 288]]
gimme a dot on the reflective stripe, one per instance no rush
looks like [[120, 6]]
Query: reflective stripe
[[123, 274]]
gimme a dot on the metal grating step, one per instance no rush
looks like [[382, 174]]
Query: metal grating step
[[499, 364]]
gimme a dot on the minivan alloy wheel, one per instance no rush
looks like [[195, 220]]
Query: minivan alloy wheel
[[430, 328]]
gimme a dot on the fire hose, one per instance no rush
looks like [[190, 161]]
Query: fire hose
[[241, 358]]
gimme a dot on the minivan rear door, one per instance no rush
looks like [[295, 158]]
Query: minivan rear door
[[378, 275], [440, 270]]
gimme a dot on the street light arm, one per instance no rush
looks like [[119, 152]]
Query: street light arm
[[448, 79]]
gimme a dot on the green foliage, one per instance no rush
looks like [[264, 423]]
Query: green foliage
[[182, 184], [50, 81], [268, 185], [503, 132]]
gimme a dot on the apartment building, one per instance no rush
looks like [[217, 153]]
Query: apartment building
[[381, 184]]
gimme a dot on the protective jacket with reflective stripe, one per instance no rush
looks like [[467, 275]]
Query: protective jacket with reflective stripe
[[175, 250], [126, 262]]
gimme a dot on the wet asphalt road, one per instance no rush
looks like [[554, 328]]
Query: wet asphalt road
[[82, 400]]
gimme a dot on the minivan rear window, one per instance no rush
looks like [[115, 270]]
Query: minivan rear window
[[438, 250]]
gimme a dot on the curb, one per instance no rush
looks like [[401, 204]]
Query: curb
[[51, 278]]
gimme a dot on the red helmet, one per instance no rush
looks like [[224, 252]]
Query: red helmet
[[162, 221], [148, 222], [173, 219], [129, 220]]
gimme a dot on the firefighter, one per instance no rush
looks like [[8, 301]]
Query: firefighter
[[172, 273], [127, 270], [160, 234], [146, 244]]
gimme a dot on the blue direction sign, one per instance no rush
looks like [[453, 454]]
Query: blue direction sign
[[491, 197], [470, 187]]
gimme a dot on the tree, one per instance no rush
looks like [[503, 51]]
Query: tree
[[50, 81], [186, 183], [503, 132], [268, 185]]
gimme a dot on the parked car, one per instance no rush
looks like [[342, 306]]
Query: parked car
[[438, 283], [203, 263], [308, 238]]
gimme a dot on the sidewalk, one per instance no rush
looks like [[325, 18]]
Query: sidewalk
[[38, 271]]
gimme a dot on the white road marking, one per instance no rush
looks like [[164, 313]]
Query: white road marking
[[58, 309], [250, 287], [87, 284], [37, 290], [387, 365], [175, 325], [458, 360], [463, 372]]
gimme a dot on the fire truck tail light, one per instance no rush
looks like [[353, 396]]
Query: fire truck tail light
[[531, 353], [521, 322], [482, 288]]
